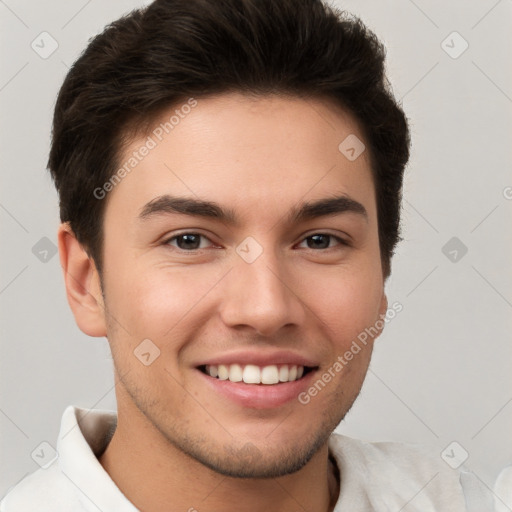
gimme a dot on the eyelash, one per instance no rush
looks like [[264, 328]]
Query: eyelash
[[166, 242]]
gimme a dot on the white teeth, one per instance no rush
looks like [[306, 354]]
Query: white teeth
[[269, 375], [235, 373], [252, 374], [213, 371], [223, 372]]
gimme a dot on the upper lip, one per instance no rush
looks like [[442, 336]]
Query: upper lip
[[260, 358]]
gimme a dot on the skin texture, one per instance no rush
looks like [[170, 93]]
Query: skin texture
[[179, 444]]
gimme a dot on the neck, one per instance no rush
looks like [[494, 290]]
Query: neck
[[155, 475]]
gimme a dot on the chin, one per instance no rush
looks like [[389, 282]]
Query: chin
[[255, 460]]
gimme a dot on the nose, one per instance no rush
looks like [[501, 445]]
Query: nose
[[261, 296]]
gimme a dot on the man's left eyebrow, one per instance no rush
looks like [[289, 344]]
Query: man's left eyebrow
[[301, 213], [327, 206]]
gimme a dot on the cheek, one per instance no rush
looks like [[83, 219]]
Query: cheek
[[155, 302], [347, 302]]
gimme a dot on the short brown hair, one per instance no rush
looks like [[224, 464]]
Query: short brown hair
[[173, 49]]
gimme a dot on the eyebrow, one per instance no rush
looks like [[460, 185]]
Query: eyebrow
[[167, 204]]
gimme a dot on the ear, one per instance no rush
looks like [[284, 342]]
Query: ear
[[382, 312], [383, 304], [83, 287]]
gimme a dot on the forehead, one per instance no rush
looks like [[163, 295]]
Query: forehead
[[245, 151]]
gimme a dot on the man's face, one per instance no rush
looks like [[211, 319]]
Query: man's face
[[268, 290]]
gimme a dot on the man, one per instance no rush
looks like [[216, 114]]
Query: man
[[230, 177]]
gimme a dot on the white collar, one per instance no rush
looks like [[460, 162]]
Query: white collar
[[84, 434]]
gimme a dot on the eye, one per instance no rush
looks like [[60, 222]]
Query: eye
[[187, 241], [190, 241], [321, 241]]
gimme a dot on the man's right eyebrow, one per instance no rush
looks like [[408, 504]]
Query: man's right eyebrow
[[167, 204]]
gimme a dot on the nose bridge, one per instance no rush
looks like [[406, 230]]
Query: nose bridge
[[257, 293]]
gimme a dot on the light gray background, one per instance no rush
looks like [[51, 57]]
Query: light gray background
[[441, 370]]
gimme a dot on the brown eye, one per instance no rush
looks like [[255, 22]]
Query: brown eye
[[186, 241], [322, 241]]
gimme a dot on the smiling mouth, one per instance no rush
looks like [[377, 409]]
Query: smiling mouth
[[253, 374]]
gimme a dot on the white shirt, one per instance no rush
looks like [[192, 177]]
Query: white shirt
[[374, 476]]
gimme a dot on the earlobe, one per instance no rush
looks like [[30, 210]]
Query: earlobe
[[83, 287]]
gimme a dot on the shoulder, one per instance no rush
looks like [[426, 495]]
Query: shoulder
[[45, 490], [399, 474], [397, 456], [58, 486]]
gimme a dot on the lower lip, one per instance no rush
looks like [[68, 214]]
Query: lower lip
[[259, 396]]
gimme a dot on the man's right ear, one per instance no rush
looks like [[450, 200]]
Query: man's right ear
[[83, 286]]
